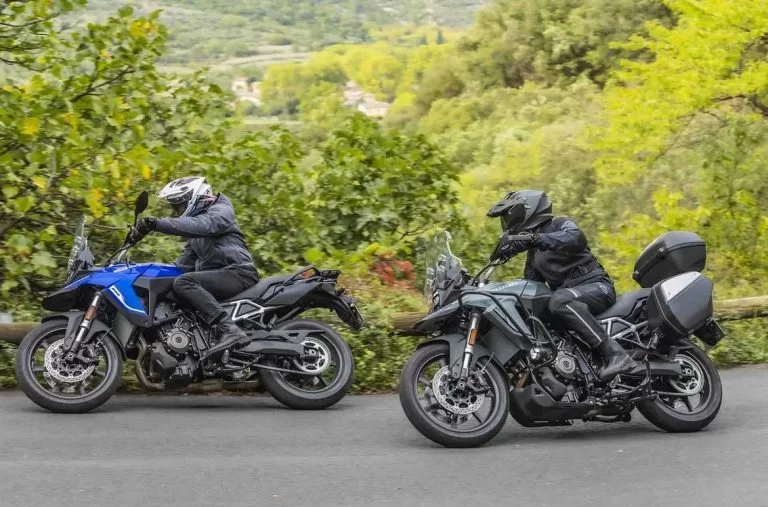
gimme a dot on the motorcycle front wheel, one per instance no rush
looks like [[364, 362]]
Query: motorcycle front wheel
[[446, 415], [61, 386]]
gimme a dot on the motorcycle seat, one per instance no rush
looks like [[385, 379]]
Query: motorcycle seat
[[261, 287], [625, 304]]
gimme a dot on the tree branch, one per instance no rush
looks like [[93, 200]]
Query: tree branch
[[92, 87]]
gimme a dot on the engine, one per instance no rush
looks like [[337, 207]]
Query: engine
[[559, 373], [172, 357], [178, 338]]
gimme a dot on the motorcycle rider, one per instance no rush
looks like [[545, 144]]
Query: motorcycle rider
[[216, 258], [558, 254]]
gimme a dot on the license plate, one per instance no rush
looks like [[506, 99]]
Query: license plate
[[710, 333]]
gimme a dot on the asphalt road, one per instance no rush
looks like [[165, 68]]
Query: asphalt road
[[215, 450]]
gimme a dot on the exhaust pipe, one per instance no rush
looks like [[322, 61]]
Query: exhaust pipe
[[208, 386], [140, 374]]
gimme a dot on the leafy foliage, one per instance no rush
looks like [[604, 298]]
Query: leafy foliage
[[378, 184], [713, 61], [92, 119]]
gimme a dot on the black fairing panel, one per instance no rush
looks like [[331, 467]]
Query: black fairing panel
[[263, 288], [63, 300], [154, 289], [504, 347], [535, 298], [291, 294], [435, 320], [503, 332]]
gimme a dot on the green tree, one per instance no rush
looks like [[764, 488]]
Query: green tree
[[712, 63], [282, 88], [89, 120], [379, 185]]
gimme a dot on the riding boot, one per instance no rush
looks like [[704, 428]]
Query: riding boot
[[615, 360], [229, 335]]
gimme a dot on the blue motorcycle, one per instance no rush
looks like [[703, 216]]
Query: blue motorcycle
[[72, 362]]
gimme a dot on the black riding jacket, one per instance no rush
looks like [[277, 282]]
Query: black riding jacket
[[562, 257], [214, 240]]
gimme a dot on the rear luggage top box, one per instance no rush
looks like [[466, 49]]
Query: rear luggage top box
[[669, 255]]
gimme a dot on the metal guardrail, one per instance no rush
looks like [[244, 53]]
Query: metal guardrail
[[15, 331]]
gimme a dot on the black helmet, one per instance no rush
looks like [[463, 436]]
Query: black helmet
[[523, 210]]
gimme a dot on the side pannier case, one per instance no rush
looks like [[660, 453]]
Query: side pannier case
[[680, 305], [668, 255]]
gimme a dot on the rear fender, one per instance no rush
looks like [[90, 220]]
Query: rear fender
[[291, 294], [74, 318], [669, 351], [456, 344], [322, 295]]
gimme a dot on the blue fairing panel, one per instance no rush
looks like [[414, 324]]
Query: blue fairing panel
[[118, 281]]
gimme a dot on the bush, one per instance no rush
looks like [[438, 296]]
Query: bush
[[7, 374]]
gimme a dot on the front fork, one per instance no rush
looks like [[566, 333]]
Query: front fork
[[72, 346], [474, 324]]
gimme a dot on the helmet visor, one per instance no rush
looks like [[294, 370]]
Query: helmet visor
[[513, 219], [178, 208]]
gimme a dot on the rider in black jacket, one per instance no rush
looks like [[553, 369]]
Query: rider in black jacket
[[216, 259], [559, 255]]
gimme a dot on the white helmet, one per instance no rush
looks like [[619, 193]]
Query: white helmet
[[186, 194]]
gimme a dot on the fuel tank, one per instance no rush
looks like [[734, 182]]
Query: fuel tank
[[534, 296]]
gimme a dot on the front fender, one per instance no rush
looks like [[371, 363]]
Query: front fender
[[456, 344], [74, 318]]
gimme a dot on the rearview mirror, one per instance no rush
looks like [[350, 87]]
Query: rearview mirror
[[141, 203]]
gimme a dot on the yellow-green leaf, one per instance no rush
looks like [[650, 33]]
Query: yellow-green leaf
[[94, 202], [31, 126], [40, 182], [43, 259]]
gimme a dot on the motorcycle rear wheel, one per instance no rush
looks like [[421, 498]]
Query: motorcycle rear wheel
[[678, 414], [305, 392]]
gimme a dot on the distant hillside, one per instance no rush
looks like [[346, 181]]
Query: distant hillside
[[210, 31]]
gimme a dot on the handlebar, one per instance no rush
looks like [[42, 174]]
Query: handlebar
[[495, 261], [120, 252], [519, 237]]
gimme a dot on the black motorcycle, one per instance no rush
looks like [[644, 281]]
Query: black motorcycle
[[104, 315], [493, 350]]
